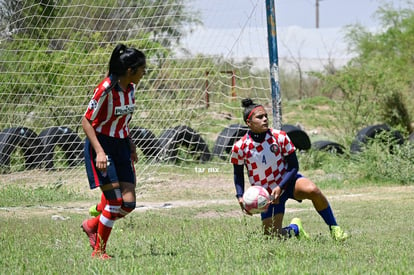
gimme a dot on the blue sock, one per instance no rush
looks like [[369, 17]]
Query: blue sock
[[293, 227], [328, 216]]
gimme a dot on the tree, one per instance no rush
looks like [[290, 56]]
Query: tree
[[14, 12], [378, 80], [165, 21], [49, 50]]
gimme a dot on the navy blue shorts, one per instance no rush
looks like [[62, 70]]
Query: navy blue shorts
[[280, 207], [121, 167]]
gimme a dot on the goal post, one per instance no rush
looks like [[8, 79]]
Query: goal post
[[274, 64], [53, 54]]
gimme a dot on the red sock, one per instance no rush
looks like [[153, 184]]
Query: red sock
[[106, 222], [93, 223], [101, 205]]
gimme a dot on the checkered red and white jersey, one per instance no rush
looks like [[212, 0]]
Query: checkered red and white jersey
[[110, 112], [264, 161]]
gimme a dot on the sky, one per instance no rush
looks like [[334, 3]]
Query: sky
[[238, 29], [332, 13]]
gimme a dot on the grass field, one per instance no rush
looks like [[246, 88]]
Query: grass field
[[196, 227]]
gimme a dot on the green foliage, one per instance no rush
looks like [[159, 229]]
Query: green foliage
[[376, 84], [79, 17], [385, 162], [17, 163], [364, 90], [395, 112], [299, 86], [47, 77], [381, 161], [14, 12], [29, 92], [325, 160]]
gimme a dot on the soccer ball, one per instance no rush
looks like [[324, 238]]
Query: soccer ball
[[256, 199]]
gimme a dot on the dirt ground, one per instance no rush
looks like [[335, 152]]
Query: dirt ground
[[187, 192]]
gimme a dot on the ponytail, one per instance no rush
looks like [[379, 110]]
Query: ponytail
[[124, 58]]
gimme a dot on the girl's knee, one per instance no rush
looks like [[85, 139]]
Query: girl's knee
[[306, 189], [314, 191], [127, 207]]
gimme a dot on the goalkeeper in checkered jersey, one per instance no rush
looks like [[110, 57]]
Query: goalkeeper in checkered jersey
[[270, 159]]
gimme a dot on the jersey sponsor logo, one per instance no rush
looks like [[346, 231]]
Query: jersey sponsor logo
[[92, 104], [123, 110]]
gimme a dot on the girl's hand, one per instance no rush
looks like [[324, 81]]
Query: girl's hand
[[275, 196], [242, 207], [134, 156], [133, 148], [101, 161]]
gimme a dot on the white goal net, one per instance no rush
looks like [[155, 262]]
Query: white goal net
[[202, 60]]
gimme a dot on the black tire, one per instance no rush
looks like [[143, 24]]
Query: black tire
[[171, 139], [369, 133], [23, 138], [227, 137], [146, 141], [329, 146], [298, 137], [69, 141]]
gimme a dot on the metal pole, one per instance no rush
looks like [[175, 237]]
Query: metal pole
[[317, 14], [274, 64]]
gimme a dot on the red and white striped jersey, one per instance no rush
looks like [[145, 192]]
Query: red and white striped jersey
[[110, 111], [264, 161]]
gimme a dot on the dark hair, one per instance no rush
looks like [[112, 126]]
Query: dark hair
[[248, 105], [123, 58]]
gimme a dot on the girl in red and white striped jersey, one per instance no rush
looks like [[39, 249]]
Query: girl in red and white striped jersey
[[270, 159], [109, 152]]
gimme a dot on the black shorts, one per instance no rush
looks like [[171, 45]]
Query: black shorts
[[280, 207], [121, 167]]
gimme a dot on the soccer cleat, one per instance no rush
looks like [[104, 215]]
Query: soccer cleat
[[302, 233], [97, 254], [93, 211], [90, 233], [338, 234]]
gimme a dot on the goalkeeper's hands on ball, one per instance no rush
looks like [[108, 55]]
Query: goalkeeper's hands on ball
[[275, 196], [240, 199]]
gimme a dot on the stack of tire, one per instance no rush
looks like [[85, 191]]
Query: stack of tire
[[300, 139], [39, 150], [167, 147], [379, 132], [234, 132]]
